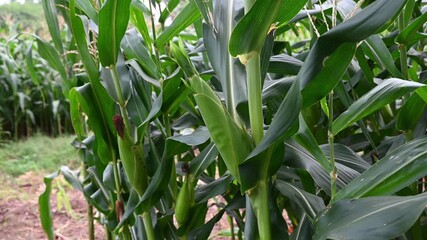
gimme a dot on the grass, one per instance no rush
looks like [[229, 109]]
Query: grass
[[38, 154]]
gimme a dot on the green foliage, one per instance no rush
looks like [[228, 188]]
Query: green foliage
[[32, 93], [168, 120], [38, 153], [16, 17]]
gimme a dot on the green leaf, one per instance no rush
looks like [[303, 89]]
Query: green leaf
[[334, 67], [347, 157], [51, 16], [370, 218], [410, 34], [44, 207], [48, 52], [288, 10], [383, 94], [365, 23], [44, 198], [206, 9], [311, 204], [410, 113], [113, 22], [134, 47], [137, 18], [85, 99], [172, 4], [284, 64], [232, 142], [228, 70], [79, 35], [306, 139], [199, 164], [204, 231], [396, 170], [87, 7], [297, 157], [30, 64], [185, 18], [376, 46], [213, 189], [198, 137], [249, 34]]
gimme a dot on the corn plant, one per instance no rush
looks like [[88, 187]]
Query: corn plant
[[329, 130], [32, 96]]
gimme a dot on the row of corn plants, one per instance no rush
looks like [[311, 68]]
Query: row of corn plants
[[224, 109], [31, 91]]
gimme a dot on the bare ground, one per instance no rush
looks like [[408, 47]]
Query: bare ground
[[19, 215]]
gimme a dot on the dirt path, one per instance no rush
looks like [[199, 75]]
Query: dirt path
[[19, 216]]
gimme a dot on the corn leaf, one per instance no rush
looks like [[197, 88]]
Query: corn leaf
[[185, 18], [370, 218], [113, 22], [378, 97], [396, 170], [51, 16]]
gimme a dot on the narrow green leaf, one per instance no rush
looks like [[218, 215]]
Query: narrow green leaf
[[396, 170], [172, 4], [249, 34], [410, 113], [134, 47], [206, 9], [51, 16], [85, 99], [284, 64], [306, 139], [228, 70], [365, 23], [232, 142], [311, 204], [347, 157], [30, 64], [377, 47], [288, 10], [44, 198], [185, 18], [370, 218], [410, 34], [79, 35], [44, 207], [48, 52], [113, 22], [334, 67], [383, 94], [88, 8], [137, 18]]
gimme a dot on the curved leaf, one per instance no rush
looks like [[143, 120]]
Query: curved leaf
[[310, 203], [395, 171], [185, 18], [370, 218], [383, 94]]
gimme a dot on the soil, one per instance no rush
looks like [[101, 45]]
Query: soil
[[19, 215]]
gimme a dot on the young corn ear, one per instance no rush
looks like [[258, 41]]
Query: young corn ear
[[184, 201], [132, 158]]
